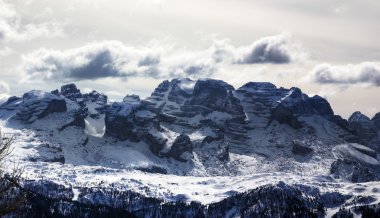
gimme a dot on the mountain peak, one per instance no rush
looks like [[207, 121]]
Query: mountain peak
[[71, 91], [357, 116], [37, 104], [258, 86], [199, 128]]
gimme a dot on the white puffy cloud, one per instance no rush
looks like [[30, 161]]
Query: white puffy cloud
[[4, 91], [13, 28], [278, 49], [367, 73], [4, 87], [116, 59], [5, 51]]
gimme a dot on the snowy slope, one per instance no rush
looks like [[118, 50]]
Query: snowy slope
[[238, 142]]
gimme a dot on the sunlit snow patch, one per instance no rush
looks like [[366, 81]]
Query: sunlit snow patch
[[94, 127], [187, 85]]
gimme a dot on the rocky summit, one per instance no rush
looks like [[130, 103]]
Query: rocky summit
[[38, 104], [201, 148]]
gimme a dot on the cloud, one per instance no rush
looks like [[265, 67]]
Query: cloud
[[341, 8], [367, 73], [92, 61], [330, 90], [279, 49], [116, 59], [4, 87], [13, 28], [5, 51], [4, 91]]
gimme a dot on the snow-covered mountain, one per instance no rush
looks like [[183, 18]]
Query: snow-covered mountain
[[194, 141]]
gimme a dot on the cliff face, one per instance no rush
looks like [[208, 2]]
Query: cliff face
[[200, 140]]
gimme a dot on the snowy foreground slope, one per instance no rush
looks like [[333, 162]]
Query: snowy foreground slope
[[228, 151]]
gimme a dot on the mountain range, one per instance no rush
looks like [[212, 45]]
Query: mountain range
[[193, 148]]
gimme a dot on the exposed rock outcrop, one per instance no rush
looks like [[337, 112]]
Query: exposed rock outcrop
[[356, 163], [71, 92], [215, 95], [97, 104], [194, 105], [376, 120], [119, 120], [353, 171], [97, 97], [182, 148], [156, 144], [362, 126], [285, 116], [321, 105], [37, 104], [284, 105], [301, 148], [12, 103], [216, 146]]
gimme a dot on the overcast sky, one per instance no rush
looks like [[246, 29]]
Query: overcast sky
[[119, 47]]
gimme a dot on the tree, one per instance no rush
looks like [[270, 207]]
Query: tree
[[12, 196]]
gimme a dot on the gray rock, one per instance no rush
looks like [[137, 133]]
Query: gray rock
[[48, 153], [132, 99], [355, 162], [181, 145], [156, 144], [119, 120], [266, 97], [153, 169], [285, 116], [101, 101], [365, 150], [353, 171], [300, 148], [38, 104], [214, 95], [362, 126], [77, 120], [216, 146], [97, 97], [166, 118], [55, 92], [177, 94], [321, 105], [376, 120], [12, 103], [298, 103], [375, 144], [159, 92], [259, 86], [71, 92]]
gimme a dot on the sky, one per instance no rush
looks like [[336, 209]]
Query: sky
[[119, 47]]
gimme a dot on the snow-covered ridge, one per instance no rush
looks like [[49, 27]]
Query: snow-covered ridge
[[206, 136], [37, 104]]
